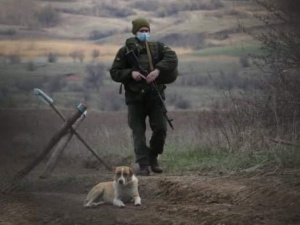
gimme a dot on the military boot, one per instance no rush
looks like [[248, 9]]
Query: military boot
[[154, 165], [143, 170]]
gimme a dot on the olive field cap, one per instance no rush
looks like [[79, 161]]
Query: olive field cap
[[138, 23]]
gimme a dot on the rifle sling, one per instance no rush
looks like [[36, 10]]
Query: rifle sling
[[149, 56], [150, 62]]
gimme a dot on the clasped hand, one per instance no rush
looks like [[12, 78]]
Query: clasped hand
[[137, 76]]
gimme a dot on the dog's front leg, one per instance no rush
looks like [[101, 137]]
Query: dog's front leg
[[137, 201], [117, 202]]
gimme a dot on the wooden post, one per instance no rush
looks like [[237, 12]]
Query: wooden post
[[109, 168], [59, 148], [49, 101], [56, 137]]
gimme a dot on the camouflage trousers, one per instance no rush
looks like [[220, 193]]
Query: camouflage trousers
[[137, 114]]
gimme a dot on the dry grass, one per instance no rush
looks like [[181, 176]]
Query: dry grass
[[30, 48], [197, 142], [28, 130], [36, 48]]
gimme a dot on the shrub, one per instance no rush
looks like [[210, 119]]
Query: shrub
[[95, 54], [81, 56], [27, 85], [48, 17], [195, 80], [77, 55], [8, 32], [111, 101], [18, 12], [98, 34], [55, 83], [114, 11], [102, 10], [244, 60], [182, 103], [270, 112], [152, 5], [86, 93], [75, 87], [30, 66], [52, 57], [169, 8], [95, 75], [195, 41]]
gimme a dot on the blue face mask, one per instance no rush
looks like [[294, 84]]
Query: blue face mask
[[143, 36]]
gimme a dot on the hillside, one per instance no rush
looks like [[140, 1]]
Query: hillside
[[212, 50], [192, 24], [232, 161]]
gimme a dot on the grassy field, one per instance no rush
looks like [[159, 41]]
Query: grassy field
[[195, 84], [204, 35], [212, 54], [254, 48], [221, 165], [196, 144]]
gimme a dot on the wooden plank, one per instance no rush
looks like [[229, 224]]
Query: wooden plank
[[56, 137], [58, 150]]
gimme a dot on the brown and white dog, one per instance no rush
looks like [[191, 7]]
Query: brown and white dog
[[123, 189]]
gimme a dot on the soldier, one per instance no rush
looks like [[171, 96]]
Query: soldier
[[141, 98]]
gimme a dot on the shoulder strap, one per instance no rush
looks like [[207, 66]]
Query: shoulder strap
[[149, 56], [160, 49]]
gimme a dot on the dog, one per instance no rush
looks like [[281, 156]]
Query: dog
[[122, 190]]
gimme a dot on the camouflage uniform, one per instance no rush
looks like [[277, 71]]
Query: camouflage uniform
[[142, 100]]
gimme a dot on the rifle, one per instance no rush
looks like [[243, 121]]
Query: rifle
[[134, 61]]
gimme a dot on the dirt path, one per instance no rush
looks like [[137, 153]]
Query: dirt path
[[244, 199]]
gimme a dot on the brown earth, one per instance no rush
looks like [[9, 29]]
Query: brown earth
[[260, 197], [263, 196]]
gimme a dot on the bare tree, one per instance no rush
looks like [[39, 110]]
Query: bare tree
[[281, 44], [28, 13], [48, 17], [81, 56], [17, 12], [73, 55], [55, 84], [52, 57], [95, 54], [78, 54], [272, 110], [95, 76]]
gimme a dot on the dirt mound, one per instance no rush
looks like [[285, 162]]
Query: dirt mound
[[231, 200], [240, 199]]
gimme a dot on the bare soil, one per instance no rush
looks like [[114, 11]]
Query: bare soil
[[260, 197], [265, 196]]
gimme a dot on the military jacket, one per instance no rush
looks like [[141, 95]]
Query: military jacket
[[163, 57]]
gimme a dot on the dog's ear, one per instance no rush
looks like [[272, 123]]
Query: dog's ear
[[130, 172], [113, 169]]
